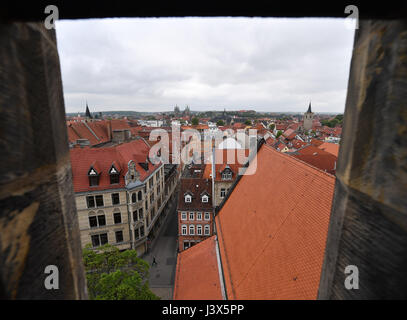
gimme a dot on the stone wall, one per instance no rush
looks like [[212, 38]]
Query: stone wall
[[38, 221], [368, 226]]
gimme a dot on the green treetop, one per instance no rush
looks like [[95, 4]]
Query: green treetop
[[115, 275]]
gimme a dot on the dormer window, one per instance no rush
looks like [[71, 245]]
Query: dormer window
[[114, 175], [188, 198], [227, 174], [93, 177], [205, 198]]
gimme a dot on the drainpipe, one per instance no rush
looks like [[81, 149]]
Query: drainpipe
[[220, 270]]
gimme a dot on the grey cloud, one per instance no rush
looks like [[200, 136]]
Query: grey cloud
[[153, 64]]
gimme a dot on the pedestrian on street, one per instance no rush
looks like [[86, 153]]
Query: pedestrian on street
[[154, 262]]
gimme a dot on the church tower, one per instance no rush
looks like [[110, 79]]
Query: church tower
[[308, 118], [87, 112]]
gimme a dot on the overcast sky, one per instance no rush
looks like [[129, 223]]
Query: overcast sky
[[206, 63]]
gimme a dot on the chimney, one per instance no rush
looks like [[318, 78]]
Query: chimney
[[109, 129]]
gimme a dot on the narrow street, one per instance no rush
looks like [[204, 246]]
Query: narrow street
[[164, 249]]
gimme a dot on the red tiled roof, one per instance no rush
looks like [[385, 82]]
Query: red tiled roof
[[316, 142], [294, 126], [271, 141], [119, 124], [83, 158], [332, 148], [298, 143], [288, 132], [196, 187], [197, 276], [94, 131], [318, 158], [238, 125], [230, 157], [272, 229]]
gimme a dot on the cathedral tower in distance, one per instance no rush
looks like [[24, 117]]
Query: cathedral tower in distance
[[308, 118]]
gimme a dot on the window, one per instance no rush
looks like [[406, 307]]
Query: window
[[222, 193], [90, 201], [191, 229], [207, 216], [97, 221], [93, 177], [119, 236], [115, 198], [199, 216], [140, 195], [207, 230], [93, 181], [99, 201], [117, 217], [133, 198], [135, 216], [114, 178], [101, 220], [205, 198], [183, 216], [184, 230], [103, 238], [95, 241], [227, 175], [140, 213], [199, 230], [93, 222], [99, 239], [186, 245], [188, 198], [136, 233], [191, 216], [142, 231]]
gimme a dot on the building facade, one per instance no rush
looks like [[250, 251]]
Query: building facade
[[195, 211], [120, 195]]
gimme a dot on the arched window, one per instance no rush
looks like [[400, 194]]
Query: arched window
[[191, 229], [199, 230], [184, 230], [207, 230], [133, 197]]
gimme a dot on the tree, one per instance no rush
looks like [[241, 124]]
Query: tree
[[248, 122], [220, 123], [272, 126], [115, 275], [279, 133], [195, 121]]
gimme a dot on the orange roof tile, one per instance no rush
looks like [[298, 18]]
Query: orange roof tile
[[83, 158], [272, 229], [223, 157], [332, 148], [197, 276]]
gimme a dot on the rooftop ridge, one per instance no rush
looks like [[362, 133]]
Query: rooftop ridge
[[307, 165]]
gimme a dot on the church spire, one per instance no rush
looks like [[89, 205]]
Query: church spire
[[88, 115], [309, 108]]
